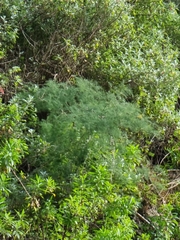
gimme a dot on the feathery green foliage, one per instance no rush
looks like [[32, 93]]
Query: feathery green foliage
[[83, 116]]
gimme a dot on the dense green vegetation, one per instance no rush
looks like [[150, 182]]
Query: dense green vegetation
[[89, 119]]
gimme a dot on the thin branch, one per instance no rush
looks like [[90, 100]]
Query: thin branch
[[145, 220], [21, 183], [25, 35], [177, 149], [174, 183], [164, 157]]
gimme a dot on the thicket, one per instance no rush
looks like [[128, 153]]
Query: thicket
[[89, 119]]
